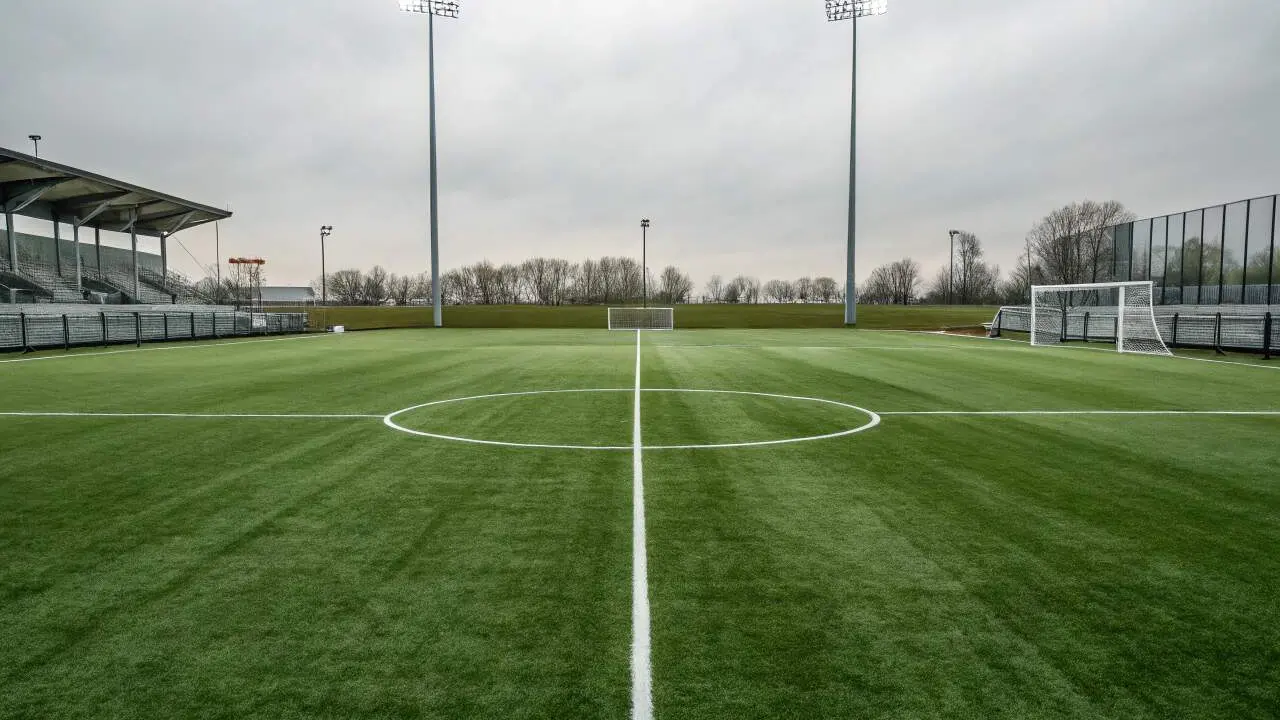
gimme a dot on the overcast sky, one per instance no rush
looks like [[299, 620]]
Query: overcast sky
[[563, 122]]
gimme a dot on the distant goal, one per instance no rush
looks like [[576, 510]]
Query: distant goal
[[1108, 311], [634, 318]]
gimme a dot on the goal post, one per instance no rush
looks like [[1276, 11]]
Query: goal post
[[639, 318], [1119, 312]]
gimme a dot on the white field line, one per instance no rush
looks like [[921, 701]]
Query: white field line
[[196, 345], [641, 670], [215, 416], [1255, 413], [1100, 349]]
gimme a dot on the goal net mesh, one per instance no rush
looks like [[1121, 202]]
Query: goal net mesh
[[633, 318], [1104, 312]]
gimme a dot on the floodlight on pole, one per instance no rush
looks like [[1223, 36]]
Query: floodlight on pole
[[644, 258], [448, 9], [325, 231], [35, 140], [853, 10], [951, 274]]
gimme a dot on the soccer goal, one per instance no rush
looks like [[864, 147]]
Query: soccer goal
[[1118, 312], [634, 318]]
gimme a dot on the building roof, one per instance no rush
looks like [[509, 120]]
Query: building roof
[[281, 293], [36, 187]]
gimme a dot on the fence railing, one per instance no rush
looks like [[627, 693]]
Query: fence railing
[[1189, 326], [52, 330]]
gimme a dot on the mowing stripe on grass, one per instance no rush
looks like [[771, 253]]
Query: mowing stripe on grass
[[641, 672], [151, 349]]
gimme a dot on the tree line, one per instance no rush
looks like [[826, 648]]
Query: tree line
[[1072, 244]]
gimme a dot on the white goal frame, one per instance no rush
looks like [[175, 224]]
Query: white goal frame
[[641, 318], [1131, 311]]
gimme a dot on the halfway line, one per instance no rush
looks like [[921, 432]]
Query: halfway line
[[641, 672]]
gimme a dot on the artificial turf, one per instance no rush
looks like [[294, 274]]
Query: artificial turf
[[1038, 566]]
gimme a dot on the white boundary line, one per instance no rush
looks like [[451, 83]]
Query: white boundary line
[[873, 420], [273, 416], [641, 668], [1175, 355], [194, 344], [1259, 413]]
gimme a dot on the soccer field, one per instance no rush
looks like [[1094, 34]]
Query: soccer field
[[455, 524]]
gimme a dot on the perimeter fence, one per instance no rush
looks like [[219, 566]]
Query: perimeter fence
[[44, 327]]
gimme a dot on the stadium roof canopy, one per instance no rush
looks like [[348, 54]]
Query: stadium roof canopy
[[35, 187]]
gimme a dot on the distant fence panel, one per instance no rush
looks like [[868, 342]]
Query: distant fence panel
[[1243, 328], [50, 329]]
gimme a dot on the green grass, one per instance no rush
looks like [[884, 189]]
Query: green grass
[[1010, 566], [870, 317]]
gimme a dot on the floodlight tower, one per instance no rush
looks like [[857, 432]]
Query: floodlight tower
[[951, 274], [325, 231], [35, 140], [853, 10], [644, 258], [448, 9]]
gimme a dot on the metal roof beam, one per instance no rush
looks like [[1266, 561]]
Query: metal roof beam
[[31, 194]]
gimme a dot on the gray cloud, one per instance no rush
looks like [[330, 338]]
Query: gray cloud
[[726, 121]]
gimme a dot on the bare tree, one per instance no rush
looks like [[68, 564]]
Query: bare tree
[[825, 289], [674, 286], [803, 289], [345, 286], [715, 289], [895, 282], [1070, 244], [779, 291], [748, 289]]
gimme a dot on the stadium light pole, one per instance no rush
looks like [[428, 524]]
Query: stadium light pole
[[448, 9], [838, 10], [35, 140], [951, 274], [644, 259], [325, 231]]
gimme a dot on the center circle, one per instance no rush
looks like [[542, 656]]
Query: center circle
[[871, 420]]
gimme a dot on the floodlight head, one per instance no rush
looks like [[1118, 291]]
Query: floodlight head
[[644, 223], [854, 9], [34, 138], [326, 229], [441, 8], [953, 233]]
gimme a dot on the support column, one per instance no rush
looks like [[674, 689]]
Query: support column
[[137, 285], [97, 248], [13, 241], [164, 258], [57, 244], [75, 239]]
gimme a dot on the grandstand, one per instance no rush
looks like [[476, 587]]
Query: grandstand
[[39, 269]]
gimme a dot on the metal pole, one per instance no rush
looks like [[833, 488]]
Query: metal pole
[[217, 262], [951, 273], [850, 290], [644, 262], [435, 205], [324, 290]]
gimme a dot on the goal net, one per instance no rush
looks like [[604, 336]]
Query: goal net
[[634, 318], [1118, 312]]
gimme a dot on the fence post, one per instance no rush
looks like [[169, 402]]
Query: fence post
[[215, 324], [1217, 332], [103, 315], [137, 328], [1063, 337], [66, 333], [1174, 339], [1086, 326], [1266, 337], [165, 317], [193, 326]]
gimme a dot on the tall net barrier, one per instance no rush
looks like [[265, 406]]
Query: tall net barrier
[[1120, 313], [632, 318]]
